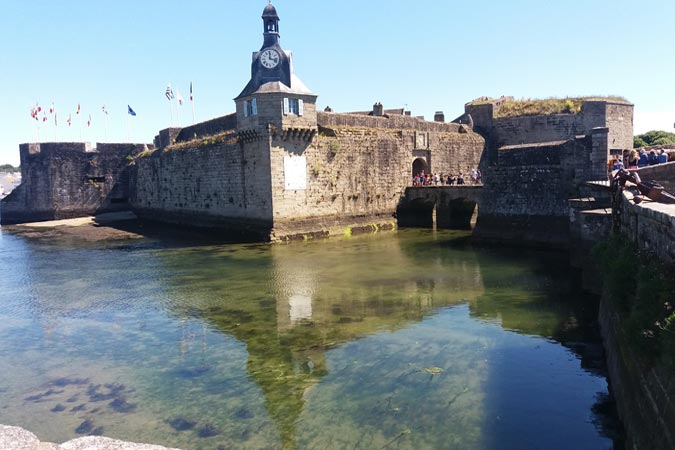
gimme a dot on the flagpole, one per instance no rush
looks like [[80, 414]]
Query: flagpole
[[193, 104], [106, 126], [178, 107], [169, 94], [174, 107]]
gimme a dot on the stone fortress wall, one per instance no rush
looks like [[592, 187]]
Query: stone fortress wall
[[64, 180], [537, 162], [530, 129], [357, 168]]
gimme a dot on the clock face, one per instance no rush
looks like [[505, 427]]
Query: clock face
[[269, 58]]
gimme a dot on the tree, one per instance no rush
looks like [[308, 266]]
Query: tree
[[8, 168], [654, 137]]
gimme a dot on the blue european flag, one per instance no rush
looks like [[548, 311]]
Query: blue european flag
[[131, 111]]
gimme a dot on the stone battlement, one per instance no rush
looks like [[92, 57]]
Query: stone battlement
[[325, 119], [564, 120]]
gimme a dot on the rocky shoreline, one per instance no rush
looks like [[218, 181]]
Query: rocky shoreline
[[16, 438]]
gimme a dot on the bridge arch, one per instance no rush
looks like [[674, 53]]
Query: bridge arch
[[449, 207]]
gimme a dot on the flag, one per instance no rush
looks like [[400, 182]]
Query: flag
[[169, 92], [89, 121], [51, 109], [70, 120], [35, 111], [179, 98], [191, 91], [44, 117], [131, 111], [105, 111], [78, 109]]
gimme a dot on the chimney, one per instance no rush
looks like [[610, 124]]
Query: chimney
[[378, 109], [439, 116]]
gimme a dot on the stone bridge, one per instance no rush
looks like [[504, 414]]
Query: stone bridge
[[449, 207]]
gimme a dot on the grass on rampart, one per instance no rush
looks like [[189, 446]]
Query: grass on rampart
[[642, 290], [218, 138], [548, 106]]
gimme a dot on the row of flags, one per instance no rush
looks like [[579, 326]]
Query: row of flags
[[39, 114], [170, 95], [37, 109]]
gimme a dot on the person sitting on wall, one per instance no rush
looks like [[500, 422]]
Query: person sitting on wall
[[618, 164], [644, 160], [652, 158], [610, 164], [663, 157], [479, 176], [460, 178], [633, 160], [451, 180]]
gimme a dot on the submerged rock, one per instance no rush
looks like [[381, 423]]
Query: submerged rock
[[181, 424], [207, 430], [121, 405]]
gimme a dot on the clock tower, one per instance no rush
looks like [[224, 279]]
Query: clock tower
[[274, 94]]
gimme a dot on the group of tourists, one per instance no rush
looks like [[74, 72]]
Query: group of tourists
[[635, 159], [439, 179]]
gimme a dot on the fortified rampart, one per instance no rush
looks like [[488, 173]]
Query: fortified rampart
[[217, 182], [63, 180], [352, 175], [535, 163], [528, 129], [525, 198], [644, 392]]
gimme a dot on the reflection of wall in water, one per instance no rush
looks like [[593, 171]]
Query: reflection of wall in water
[[336, 285]]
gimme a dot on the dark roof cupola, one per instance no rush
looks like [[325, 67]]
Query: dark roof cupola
[[271, 25]]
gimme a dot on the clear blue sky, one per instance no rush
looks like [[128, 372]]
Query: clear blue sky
[[425, 55]]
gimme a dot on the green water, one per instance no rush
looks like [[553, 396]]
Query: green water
[[408, 340]]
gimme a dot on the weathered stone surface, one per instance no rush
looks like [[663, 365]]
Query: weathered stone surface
[[65, 180], [644, 395], [357, 168], [651, 225], [16, 438], [664, 174], [102, 443]]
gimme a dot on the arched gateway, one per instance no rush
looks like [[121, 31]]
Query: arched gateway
[[418, 165]]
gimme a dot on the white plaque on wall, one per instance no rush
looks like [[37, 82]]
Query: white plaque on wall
[[295, 172]]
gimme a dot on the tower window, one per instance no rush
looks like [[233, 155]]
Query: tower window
[[294, 106], [250, 107]]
